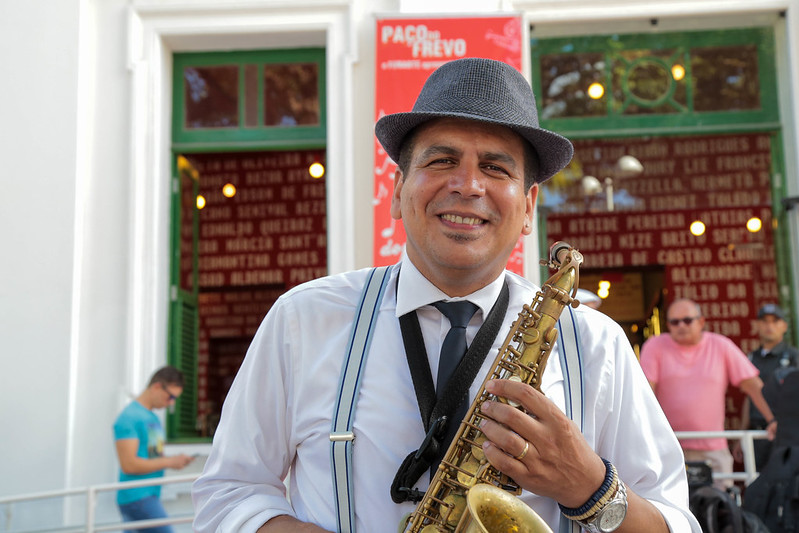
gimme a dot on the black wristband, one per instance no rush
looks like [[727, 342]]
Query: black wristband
[[606, 484], [770, 421]]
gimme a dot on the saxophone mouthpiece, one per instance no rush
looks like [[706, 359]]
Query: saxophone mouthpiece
[[558, 252]]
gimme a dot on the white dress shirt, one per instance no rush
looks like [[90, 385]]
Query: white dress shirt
[[277, 416]]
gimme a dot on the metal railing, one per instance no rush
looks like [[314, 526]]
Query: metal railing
[[747, 438], [749, 474], [91, 494]]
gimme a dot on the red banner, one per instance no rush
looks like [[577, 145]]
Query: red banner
[[408, 50]]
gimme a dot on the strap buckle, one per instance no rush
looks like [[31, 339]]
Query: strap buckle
[[431, 443]]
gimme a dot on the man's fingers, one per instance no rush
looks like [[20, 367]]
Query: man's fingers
[[503, 462], [506, 440], [519, 392], [511, 417]]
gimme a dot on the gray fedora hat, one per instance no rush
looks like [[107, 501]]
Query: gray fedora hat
[[484, 90]]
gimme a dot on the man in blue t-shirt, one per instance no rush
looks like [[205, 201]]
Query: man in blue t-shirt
[[139, 440]]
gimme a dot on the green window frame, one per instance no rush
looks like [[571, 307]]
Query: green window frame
[[183, 340], [242, 136], [686, 118]]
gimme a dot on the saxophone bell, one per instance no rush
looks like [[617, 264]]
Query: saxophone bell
[[493, 509]]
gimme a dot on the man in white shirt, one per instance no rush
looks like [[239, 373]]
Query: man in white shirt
[[470, 158]]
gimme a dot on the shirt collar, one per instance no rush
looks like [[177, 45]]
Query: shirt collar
[[415, 291]]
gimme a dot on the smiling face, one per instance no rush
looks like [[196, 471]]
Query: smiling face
[[463, 202]]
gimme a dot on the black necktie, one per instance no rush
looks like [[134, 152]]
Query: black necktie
[[452, 351], [454, 346]]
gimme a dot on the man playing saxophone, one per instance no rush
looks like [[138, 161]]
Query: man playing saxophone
[[470, 157]]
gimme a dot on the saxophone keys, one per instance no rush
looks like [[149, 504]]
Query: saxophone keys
[[453, 508], [477, 447], [517, 379], [468, 470], [530, 336]]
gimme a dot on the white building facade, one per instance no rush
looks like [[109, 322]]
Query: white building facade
[[85, 139]]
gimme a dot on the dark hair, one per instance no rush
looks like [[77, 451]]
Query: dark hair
[[530, 157], [168, 375]]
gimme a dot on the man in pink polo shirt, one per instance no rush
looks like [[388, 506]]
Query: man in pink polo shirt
[[689, 370]]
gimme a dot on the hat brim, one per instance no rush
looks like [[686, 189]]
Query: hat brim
[[554, 151]]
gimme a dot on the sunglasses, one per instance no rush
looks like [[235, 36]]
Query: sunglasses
[[172, 397], [687, 320]]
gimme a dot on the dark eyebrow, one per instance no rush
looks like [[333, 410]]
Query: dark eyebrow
[[494, 157], [500, 157], [438, 149]]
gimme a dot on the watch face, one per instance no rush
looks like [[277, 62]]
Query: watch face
[[612, 516]]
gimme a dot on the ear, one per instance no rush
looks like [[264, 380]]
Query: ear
[[396, 204], [530, 199]]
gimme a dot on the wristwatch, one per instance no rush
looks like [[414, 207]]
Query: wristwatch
[[610, 516]]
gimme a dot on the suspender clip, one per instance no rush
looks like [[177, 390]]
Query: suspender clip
[[339, 436]]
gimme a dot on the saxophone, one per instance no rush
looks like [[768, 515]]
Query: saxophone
[[467, 494]]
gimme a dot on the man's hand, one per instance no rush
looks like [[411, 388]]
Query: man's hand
[[771, 429], [130, 463], [178, 462], [558, 464]]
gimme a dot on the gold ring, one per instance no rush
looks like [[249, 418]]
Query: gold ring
[[524, 452]]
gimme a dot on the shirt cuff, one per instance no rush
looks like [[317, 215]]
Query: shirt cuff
[[677, 521], [254, 512]]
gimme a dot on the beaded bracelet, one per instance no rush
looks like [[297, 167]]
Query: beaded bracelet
[[611, 478], [611, 492]]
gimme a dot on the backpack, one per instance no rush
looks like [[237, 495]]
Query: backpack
[[717, 512], [774, 495]]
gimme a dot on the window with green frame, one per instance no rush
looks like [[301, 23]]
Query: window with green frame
[[660, 84], [272, 98], [225, 102], [657, 83]]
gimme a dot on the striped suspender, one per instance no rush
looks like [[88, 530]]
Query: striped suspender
[[571, 363], [341, 436]]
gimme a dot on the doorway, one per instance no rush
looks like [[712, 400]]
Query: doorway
[[260, 229], [633, 297]]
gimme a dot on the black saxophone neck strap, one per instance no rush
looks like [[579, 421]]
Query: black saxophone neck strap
[[437, 416]]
